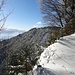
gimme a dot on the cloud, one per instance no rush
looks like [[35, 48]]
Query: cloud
[[9, 33], [37, 25], [34, 26]]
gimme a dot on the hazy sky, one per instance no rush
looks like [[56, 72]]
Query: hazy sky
[[26, 14]]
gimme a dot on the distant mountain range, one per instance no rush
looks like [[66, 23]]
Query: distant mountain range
[[8, 33]]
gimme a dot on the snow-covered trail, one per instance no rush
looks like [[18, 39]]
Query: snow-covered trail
[[60, 56], [43, 71]]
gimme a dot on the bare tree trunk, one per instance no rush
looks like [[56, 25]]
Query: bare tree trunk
[[73, 8]]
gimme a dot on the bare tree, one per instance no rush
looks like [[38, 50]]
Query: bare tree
[[2, 16], [57, 12], [69, 9]]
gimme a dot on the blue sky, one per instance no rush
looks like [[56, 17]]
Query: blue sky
[[26, 14]]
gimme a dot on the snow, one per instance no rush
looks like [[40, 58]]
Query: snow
[[60, 56], [43, 71], [20, 74]]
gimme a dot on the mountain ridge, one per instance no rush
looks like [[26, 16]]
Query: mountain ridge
[[35, 38]]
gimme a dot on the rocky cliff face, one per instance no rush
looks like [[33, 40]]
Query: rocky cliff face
[[34, 37]]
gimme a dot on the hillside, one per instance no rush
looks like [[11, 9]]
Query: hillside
[[34, 38], [60, 56]]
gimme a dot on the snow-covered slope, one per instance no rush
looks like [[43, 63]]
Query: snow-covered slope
[[60, 56]]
